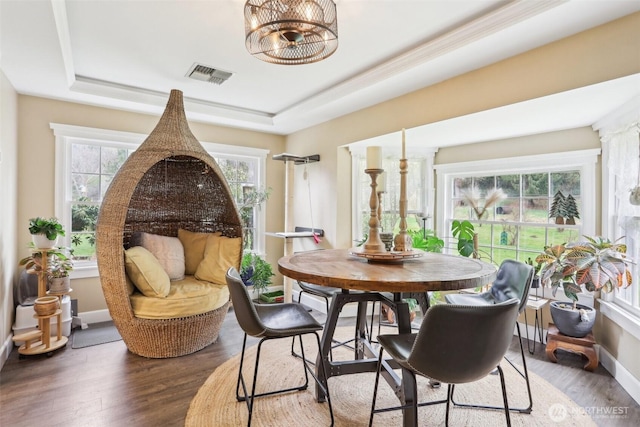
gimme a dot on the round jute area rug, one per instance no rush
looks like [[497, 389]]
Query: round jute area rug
[[215, 403]]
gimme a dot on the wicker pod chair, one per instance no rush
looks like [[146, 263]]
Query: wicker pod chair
[[170, 182]]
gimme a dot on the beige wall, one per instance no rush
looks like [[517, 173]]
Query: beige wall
[[623, 346], [8, 201], [36, 168], [594, 56], [600, 54]]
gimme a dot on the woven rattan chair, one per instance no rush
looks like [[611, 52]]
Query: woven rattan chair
[[170, 182]]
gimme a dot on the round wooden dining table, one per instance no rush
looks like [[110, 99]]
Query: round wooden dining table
[[353, 273], [430, 272]]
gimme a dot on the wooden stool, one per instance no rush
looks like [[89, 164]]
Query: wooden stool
[[584, 346]]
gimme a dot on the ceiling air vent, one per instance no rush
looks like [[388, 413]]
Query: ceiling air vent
[[208, 74]]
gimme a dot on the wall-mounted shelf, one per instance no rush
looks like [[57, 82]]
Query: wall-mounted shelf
[[298, 160], [299, 232]]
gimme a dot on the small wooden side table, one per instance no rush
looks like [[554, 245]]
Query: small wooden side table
[[584, 346]]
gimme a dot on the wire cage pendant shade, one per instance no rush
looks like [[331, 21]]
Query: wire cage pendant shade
[[291, 32]]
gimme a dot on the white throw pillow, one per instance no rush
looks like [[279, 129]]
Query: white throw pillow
[[168, 250]]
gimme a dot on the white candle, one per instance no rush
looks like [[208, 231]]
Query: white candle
[[404, 154], [374, 158], [382, 183]]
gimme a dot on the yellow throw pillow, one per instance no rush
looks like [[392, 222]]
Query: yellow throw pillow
[[146, 273], [220, 254], [168, 251], [194, 246]]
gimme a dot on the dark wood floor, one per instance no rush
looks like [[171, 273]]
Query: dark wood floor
[[105, 385]]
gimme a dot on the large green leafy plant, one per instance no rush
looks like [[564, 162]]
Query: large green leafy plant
[[256, 272], [50, 227], [465, 232], [597, 263], [426, 240]]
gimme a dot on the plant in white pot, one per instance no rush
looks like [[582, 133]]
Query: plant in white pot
[[45, 232], [597, 263], [59, 268]]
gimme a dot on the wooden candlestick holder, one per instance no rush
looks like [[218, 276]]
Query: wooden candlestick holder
[[374, 243], [403, 241]]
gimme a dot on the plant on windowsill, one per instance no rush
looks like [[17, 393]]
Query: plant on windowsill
[[45, 231], [596, 263]]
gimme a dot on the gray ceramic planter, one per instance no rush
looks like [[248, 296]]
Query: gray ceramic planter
[[569, 321]]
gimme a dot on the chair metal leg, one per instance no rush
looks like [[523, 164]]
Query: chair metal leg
[[504, 397], [240, 377], [524, 373], [249, 398], [450, 389]]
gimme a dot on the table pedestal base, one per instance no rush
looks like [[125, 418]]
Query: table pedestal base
[[365, 355]]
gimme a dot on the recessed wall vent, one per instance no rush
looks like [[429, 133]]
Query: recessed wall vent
[[208, 74]]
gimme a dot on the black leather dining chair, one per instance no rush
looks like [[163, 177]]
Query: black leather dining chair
[[456, 344], [272, 321], [513, 280]]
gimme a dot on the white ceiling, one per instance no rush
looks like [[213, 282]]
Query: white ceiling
[[130, 54]]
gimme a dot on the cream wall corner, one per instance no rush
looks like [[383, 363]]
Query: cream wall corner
[[8, 222]]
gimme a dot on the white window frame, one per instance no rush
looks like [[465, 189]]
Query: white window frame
[[66, 135], [583, 161], [613, 306], [358, 153]]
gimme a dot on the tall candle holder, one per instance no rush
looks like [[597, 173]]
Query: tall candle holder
[[374, 243], [403, 241]]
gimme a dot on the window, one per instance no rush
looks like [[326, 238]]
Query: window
[[419, 196], [86, 161], [518, 226], [620, 172]]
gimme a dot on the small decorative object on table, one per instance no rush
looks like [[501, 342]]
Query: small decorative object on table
[[374, 169], [374, 250], [403, 241]]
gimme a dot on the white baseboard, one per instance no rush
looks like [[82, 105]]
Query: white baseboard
[[95, 316], [5, 350], [625, 378]]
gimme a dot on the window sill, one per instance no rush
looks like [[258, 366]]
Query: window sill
[[623, 318], [84, 272]]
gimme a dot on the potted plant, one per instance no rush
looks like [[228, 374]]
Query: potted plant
[[59, 266], [536, 269], [256, 272], [45, 231], [597, 263]]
